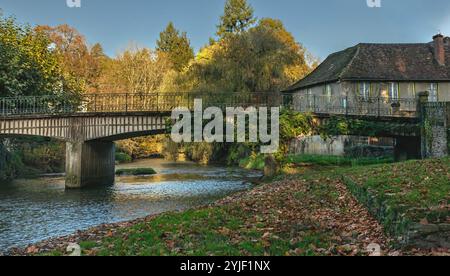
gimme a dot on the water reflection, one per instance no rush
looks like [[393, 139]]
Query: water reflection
[[33, 210]]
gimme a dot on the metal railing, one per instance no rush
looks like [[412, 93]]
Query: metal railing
[[357, 106], [166, 102], [130, 102]]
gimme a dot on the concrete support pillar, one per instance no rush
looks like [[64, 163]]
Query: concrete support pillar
[[89, 164]]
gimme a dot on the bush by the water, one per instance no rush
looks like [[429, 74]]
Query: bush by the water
[[10, 165], [42, 154], [138, 171], [122, 157]]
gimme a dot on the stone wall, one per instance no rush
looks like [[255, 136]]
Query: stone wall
[[429, 236], [404, 231], [344, 145], [436, 124]]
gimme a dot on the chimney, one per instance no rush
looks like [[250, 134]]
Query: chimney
[[439, 49]]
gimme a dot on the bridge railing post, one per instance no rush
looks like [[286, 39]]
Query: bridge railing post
[[346, 104], [314, 104], [379, 107], [95, 103], [157, 102]]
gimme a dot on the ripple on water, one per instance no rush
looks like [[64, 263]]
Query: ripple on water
[[34, 210]]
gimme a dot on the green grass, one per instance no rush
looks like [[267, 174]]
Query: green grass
[[203, 232], [325, 160], [256, 162], [138, 171], [283, 219], [402, 194]]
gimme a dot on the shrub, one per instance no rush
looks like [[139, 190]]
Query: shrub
[[139, 171], [122, 157]]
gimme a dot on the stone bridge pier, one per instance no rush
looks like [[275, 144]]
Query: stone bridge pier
[[90, 163], [89, 137]]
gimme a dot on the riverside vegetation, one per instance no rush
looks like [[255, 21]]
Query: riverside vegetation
[[245, 55], [303, 211]]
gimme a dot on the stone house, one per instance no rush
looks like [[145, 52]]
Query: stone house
[[369, 76], [392, 71]]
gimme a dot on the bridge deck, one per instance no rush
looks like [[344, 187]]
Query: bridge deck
[[127, 103]]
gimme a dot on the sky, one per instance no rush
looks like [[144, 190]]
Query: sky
[[322, 26]]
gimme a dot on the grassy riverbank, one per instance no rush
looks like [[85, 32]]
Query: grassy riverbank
[[311, 212]]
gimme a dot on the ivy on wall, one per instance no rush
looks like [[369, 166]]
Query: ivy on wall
[[339, 125]]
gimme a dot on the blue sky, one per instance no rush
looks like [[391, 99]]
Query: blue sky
[[323, 26]]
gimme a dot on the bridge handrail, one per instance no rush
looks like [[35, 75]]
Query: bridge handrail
[[166, 102], [355, 105], [129, 102]]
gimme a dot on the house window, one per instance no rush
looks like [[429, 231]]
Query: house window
[[393, 91], [328, 93], [364, 90], [309, 96], [434, 88]]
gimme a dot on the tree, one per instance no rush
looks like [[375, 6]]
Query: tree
[[139, 70], [28, 66], [77, 58], [265, 58], [237, 17], [176, 46]]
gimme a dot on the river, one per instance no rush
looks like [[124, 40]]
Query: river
[[38, 209]]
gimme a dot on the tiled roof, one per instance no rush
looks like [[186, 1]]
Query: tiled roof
[[381, 62]]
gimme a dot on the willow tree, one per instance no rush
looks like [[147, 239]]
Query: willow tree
[[266, 57]]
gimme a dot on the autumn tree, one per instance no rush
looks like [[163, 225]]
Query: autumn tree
[[237, 17], [28, 64], [77, 57], [176, 46], [140, 70]]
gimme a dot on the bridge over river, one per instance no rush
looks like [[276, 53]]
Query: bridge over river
[[90, 124]]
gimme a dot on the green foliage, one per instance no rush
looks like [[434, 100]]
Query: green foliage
[[292, 125], [237, 17], [28, 65], [339, 125], [176, 46], [122, 157], [41, 154], [324, 160], [253, 162], [205, 153], [136, 172], [265, 58], [11, 165], [239, 151]]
